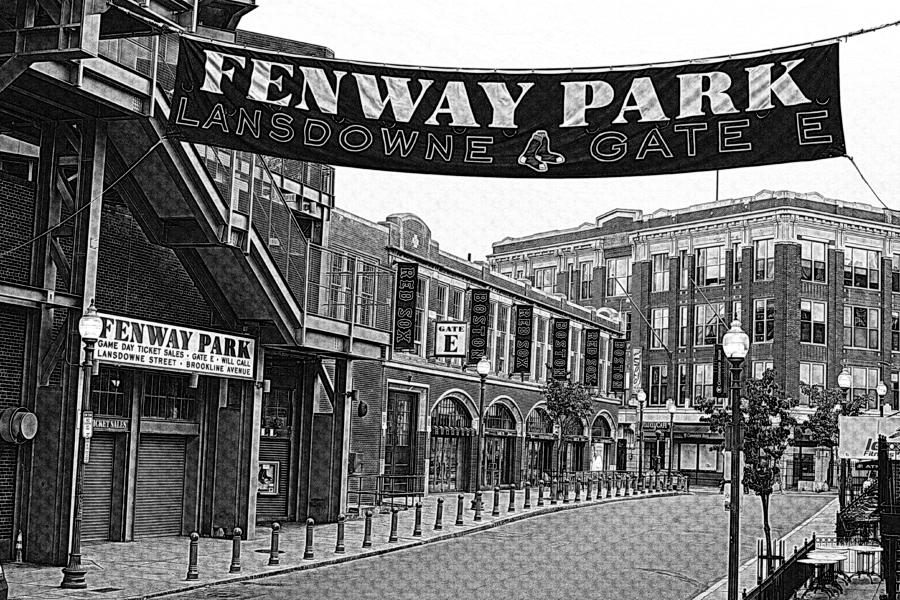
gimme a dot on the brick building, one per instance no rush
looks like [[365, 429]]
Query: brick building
[[812, 280]]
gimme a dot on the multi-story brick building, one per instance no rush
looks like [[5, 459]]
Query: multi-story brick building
[[814, 282]]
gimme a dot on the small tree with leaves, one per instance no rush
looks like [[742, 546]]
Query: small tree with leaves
[[768, 425], [565, 400]]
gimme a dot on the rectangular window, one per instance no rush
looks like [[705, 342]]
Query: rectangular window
[[659, 381], [618, 276], [861, 268], [737, 261], [627, 316], [587, 278], [895, 390], [492, 333], [861, 327], [895, 273], [366, 308], [684, 331], [540, 339], [660, 273], [545, 279], [895, 331], [764, 320], [711, 266], [659, 338], [685, 278], [574, 347], [454, 304], [441, 300], [682, 392], [168, 397], [572, 292], [736, 310], [709, 324], [812, 321], [703, 380], [812, 261], [865, 385], [760, 367], [502, 334], [764, 260], [419, 325], [812, 374]]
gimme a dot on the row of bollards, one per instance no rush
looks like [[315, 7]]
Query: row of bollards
[[616, 485]]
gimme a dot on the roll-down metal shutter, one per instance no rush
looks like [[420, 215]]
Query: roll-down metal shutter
[[159, 498], [97, 497], [275, 450]]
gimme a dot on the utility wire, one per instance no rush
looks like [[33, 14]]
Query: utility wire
[[86, 204], [866, 181]]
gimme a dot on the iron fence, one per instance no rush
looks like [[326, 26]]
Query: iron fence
[[374, 490], [784, 581]]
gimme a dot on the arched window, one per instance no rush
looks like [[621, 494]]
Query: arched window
[[539, 422], [573, 426], [450, 412], [499, 417], [601, 428]]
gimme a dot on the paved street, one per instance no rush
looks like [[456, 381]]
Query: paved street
[[660, 548]]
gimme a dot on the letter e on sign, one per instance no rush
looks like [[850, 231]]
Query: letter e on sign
[[450, 339]]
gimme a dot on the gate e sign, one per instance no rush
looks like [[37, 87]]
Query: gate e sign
[[450, 339]]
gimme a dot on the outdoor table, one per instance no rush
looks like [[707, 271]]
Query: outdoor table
[[840, 553], [819, 580], [865, 556]]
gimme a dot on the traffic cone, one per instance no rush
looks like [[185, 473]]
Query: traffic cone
[[4, 587]]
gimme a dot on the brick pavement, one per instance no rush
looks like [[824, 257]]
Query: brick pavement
[[158, 566]]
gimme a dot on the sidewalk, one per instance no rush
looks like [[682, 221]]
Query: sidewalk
[[822, 524], [158, 566]]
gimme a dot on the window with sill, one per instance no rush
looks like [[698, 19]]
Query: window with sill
[[862, 327], [813, 375], [812, 261], [659, 336], [709, 323], [764, 260], [710, 266], [618, 276], [764, 320], [812, 321], [861, 268], [660, 266]]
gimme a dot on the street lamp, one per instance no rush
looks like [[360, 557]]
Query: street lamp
[[881, 390], [845, 380], [736, 344], [90, 326], [670, 406], [639, 403], [482, 368]]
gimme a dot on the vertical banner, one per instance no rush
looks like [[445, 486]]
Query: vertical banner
[[524, 323], [405, 307], [479, 312], [720, 373], [560, 361], [619, 350], [637, 369], [591, 357]]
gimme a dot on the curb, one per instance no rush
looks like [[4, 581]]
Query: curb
[[544, 510]]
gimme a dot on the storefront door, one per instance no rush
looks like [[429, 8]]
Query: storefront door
[[159, 498], [398, 441], [538, 459], [498, 455], [98, 489], [275, 443], [448, 464]]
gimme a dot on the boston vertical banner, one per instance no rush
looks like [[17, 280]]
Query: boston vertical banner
[[591, 357], [524, 323], [702, 115], [405, 307], [560, 341], [619, 352], [479, 312]]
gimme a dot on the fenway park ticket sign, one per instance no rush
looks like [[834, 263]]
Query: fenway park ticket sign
[[703, 115]]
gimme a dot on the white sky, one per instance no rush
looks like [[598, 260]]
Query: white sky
[[567, 33]]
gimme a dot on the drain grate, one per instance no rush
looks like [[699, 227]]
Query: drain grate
[[107, 590]]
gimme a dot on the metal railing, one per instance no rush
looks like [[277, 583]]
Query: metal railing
[[373, 490], [786, 579]]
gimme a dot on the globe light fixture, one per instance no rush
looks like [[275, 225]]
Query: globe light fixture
[[735, 342], [845, 379]]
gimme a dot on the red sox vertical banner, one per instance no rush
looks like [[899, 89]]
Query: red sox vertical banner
[[560, 341], [524, 322], [591, 357], [405, 307], [698, 116], [479, 313]]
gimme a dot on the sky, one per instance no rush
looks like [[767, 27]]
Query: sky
[[467, 214]]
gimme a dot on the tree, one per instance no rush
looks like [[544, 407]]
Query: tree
[[565, 400], [768, 424], [830, 403]]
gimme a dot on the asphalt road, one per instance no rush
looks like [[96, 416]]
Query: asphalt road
[[657, 548]]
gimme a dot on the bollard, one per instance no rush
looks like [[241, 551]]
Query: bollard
[[393, 535], [553, 485], [527, 495], [477, 506], [339, 544], [439, 517], [459, 509], [588, 495], [367, 536], [193, 573], [496, 511], [565, 488], [512, 500], [308, 551], [577, 490], [235, 551], [273, 549], [19, 547], [609, 480], [540, 501], [417, 527]]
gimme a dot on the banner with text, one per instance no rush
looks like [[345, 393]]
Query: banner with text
[[720, 372], [701, 115], [858, 436], [524, 323], [405, 307], [591, 357], [619, 352], [479, 312], [138, 343], [560, 341]]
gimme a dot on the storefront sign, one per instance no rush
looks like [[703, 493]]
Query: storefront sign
[[619, 351], [138, 343], [859, 435], [560, 341], [524, 324], [405, 307], [479, 312], [111, 424], [701, 115], [450, 339], [591, 357]]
